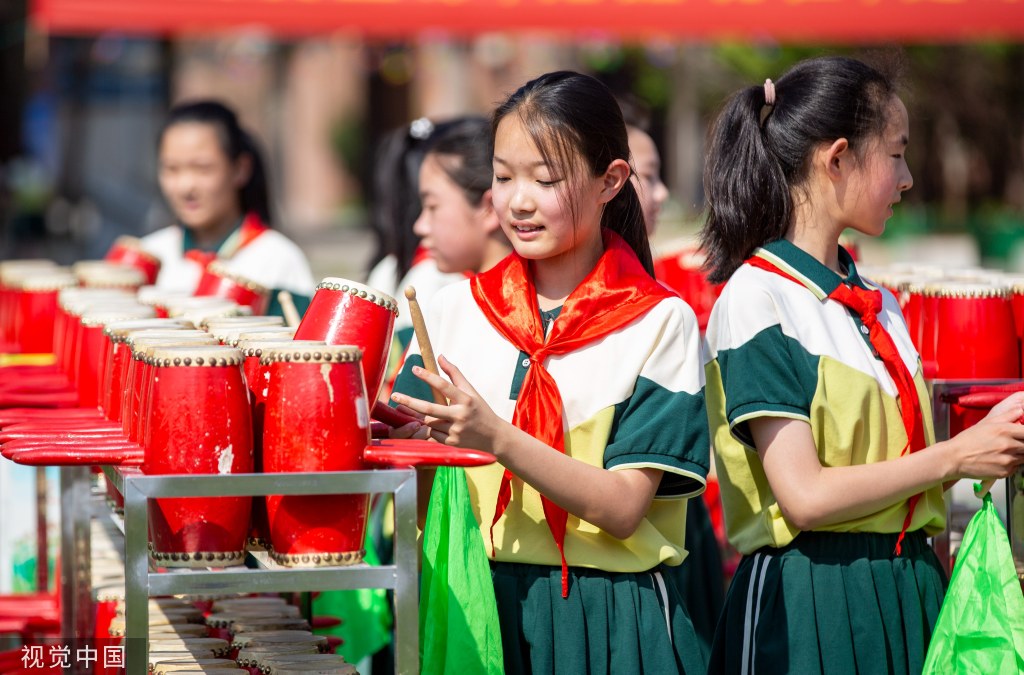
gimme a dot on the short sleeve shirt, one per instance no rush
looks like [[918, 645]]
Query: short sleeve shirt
[[633, 399], [781, 348]]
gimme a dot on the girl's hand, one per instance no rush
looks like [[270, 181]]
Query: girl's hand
[[1014, 403], [994, 447], [466, 422]]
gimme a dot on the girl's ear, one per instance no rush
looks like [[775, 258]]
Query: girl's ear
[[488, 216], [836, 159], [615, 176], [243, 171]]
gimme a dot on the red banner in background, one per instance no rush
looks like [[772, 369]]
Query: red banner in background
[[780, 20]]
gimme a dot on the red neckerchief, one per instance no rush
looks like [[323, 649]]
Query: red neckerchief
[[616, 292], [867, 304], [251, 228]]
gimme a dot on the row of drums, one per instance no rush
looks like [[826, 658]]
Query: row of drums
[[198, 392], [29, 291], [223, 634], [966, 324]]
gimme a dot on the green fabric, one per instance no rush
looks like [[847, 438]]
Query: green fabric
[[301, 303], [410, 385], [667, 427], [770, 372], [611, 624], [831, 603], [981, 625], [699, 579], [365, 615], [459, 629]]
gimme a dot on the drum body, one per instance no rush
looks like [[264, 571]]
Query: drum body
[[199, 423], [969, 331], [127, 250], [343, 312], [316, 419], [218, 281]]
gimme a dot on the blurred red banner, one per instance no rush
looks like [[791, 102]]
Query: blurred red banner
[[781, 20]]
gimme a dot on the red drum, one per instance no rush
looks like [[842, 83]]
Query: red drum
[[971, 331], [119, 356], [277, 333], [199, 423], [228, 322], [10, 271], [160, 298], [912, 302], [317, 419], [220, 282], [198, 310], [36, 310], [343, 312], [257, 378], [134, 408], [102, 274], [127, 250], [92, 350]]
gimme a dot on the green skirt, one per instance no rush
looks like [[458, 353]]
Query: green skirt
[[700, 579], [831, 603], [611, 623]]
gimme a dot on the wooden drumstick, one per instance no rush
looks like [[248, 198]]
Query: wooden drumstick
[[426, 351], [291, 314], [983, 489]]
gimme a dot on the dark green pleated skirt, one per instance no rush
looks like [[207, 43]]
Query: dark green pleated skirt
[[700, 579], [611, 623], [831, 603]]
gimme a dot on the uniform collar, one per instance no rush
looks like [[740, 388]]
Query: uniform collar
[[807, 270]]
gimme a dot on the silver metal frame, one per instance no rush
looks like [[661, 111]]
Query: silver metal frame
[[267, 576]]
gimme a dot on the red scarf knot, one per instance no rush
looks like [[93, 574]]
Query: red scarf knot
[[867, 304], [614, 294]]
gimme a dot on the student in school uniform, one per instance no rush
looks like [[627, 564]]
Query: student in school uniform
[[830, 473], [700, 577], [582, 375], [212, 175]]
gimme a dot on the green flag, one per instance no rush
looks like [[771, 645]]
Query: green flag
[[459, 631], [980, 628]]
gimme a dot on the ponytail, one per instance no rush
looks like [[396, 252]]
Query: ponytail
[[748, 199], [759, 150], [624, 215], [254, 195]]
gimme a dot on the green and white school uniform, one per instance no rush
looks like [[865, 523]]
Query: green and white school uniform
[[632, 399], [836, 600]]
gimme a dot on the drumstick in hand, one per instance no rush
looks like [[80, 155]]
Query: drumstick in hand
[[420, 328]]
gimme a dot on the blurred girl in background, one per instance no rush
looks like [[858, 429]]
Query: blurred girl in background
[[212, 175]]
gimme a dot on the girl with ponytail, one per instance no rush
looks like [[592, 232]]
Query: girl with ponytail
[[213, 177], [831, 478], [583, 376]]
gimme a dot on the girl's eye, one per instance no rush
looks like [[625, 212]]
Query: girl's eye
[[547, 183], [501, 179]]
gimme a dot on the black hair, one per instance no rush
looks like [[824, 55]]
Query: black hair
[[394, 192], [235, 141], [758, 155], [574, 118], [469, 141]]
